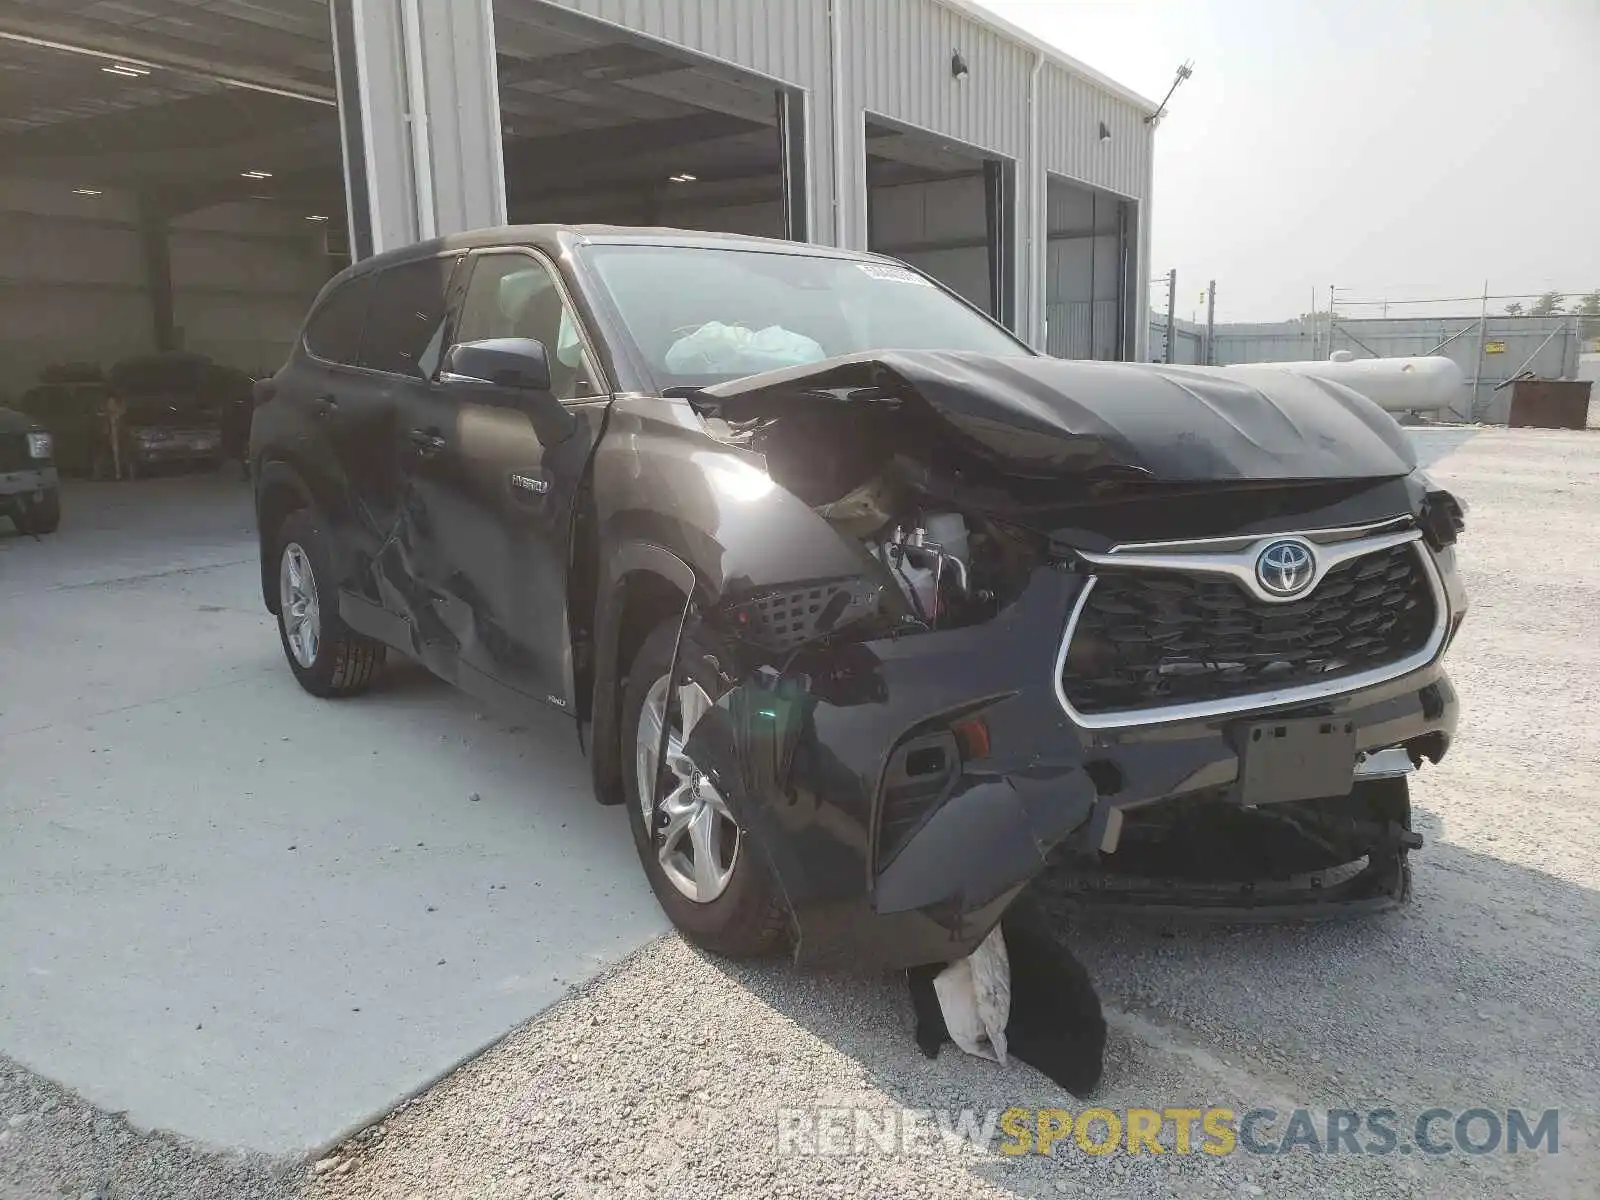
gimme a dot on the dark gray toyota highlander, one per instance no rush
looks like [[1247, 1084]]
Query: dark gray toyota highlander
[[870, 616]]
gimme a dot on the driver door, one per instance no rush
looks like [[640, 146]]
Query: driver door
[[492, 474]]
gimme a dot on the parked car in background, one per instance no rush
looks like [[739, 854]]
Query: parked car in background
[[30, 493], [168, 410], [873, 616], [70, 402]]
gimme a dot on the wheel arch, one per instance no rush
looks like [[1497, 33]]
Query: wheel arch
[[279, 491], [641, 585]]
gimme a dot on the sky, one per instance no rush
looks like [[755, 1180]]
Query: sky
[[1399, 150]]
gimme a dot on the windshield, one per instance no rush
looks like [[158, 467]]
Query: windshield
[[701, 316]]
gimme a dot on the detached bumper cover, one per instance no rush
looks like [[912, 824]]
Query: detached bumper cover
[[880, 869]]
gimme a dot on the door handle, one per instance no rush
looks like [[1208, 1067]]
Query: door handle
[[428, 444], [324, 406]]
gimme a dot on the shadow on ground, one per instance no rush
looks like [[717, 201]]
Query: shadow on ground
[[1465, 999]]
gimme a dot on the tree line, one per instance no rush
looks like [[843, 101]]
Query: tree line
[[1552, 304]]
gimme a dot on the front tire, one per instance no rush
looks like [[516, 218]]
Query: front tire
[[41, 516], [328, 658], [708, 876]]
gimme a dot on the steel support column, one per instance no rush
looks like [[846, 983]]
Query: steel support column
[[1000, 211], [157, 254], [420, 117]]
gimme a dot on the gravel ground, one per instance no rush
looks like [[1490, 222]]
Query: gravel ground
[[54, 1146], [666, 1075]]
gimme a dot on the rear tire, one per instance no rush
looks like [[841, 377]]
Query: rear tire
[[328, 658], [41, 516], [746, 918]]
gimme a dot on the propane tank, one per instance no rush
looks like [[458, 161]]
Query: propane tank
[[1423, 384]]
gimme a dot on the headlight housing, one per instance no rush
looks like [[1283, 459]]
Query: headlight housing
[[41, 445]]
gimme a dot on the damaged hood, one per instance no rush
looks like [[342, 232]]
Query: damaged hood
[[1044, 417]]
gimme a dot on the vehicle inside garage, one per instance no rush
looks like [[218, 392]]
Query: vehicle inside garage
[[170, 186], [600, 126]]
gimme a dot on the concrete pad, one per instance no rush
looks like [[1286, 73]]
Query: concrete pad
[[1433, 443], [240, 913]]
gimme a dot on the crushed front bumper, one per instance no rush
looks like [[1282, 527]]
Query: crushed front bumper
[[830, 760]]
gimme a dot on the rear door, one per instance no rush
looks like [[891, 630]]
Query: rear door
[[492, 476], [342, 408]]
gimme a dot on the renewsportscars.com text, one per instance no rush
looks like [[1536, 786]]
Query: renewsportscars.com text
[[1212, 1131]]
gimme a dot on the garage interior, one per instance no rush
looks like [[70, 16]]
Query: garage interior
[[171, 176], [1088, 257], [599, 126], [944, 209], [170, 179]]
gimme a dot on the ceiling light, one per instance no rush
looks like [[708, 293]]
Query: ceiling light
[[255, 174], [682, 177], [85, 191], [316, 217], [126, 71]]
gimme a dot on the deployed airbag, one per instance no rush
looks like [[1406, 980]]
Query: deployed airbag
[[718, 349]]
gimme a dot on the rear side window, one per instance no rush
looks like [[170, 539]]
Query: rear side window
[[334, 331], [405, 323]]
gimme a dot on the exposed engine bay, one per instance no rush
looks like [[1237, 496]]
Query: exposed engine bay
[[890, 491]]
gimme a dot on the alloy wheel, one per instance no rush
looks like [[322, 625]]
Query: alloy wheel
[[695, 836], [297, 601]]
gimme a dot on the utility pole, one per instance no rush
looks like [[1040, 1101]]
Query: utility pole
[[1483, 335], [1211, 322], [1172, 302], [1330, 320]]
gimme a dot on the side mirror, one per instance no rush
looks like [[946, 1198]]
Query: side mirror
[[520, 363]]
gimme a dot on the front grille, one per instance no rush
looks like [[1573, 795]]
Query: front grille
[[1149, 639], [14, 452]]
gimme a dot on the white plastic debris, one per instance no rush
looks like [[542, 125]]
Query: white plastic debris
[[718, 349], [975, 997]]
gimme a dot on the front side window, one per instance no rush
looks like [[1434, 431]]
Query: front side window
[[515, 295], [334, 331], [405, 321], [701, 315]]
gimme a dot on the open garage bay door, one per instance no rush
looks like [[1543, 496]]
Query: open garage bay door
[[170, 179], [944, 209], [599, 126], [1088, 292]]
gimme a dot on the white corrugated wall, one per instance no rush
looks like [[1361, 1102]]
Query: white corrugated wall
[[895, 58]]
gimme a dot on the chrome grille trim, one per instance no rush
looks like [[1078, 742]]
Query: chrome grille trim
[[1228, 564]]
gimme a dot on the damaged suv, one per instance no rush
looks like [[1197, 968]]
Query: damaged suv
[[869, 615]]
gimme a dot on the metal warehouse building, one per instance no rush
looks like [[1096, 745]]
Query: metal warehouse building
[[183, 174]]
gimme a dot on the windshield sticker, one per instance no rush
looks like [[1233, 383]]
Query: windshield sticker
[[893, 274]]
